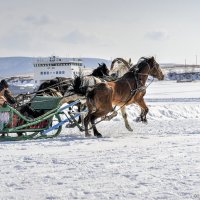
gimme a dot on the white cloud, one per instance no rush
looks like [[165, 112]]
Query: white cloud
[[16, 40], [41, 20], [157, 35], [77, 37]]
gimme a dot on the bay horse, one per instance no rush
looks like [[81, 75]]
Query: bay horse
[[83, 84], [122, 92]]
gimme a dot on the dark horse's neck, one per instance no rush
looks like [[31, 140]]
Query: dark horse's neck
[[138, 73], [143, 71]]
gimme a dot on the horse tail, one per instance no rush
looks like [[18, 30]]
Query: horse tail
[[90, 100], [90, 94], [77, 85]]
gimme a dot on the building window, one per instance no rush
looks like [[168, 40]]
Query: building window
[[63, 72], [56, 72], [41, 73]]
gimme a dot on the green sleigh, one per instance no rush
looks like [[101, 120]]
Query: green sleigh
[[48, 125]]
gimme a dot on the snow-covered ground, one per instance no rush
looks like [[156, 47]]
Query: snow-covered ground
[[172, 89], [160, 160]]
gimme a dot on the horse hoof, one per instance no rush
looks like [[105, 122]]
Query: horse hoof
[[130, 129], [145, 122], [20, 134], [88, 135], [70, 125], [138, 119], [98, 135]]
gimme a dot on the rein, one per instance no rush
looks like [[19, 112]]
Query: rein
[[50, 87], [43, 90]]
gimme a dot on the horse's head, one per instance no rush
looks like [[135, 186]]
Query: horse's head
[[101, 71], [104, 69], [119, 67], [44, 85], [155, 69], [9, 97]]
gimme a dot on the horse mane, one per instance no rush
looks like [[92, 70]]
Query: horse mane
[[146, 59], [141, 61], [77, 83], [137, 67]]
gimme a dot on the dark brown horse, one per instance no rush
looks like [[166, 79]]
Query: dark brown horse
[[130, 88], [58, 84]]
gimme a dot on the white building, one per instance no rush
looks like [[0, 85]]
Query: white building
[[52, 67]]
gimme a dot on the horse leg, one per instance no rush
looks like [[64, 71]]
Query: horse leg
[[80, 120], [87, 119], [144, 110], [96, 132], [140, 118], [124, 115], [82, 111], [145, 115]]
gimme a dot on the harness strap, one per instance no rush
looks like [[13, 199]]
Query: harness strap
[[131, 89]]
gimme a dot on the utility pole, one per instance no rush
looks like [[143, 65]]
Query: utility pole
[[185, 66], [196, 60]]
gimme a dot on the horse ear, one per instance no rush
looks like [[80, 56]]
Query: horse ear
[[129, 61]]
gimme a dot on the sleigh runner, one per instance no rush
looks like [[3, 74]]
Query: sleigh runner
[[14, 126]]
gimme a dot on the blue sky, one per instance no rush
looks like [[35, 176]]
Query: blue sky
[[167, 29]]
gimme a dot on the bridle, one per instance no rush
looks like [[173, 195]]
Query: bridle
[[150, 68], [133, 91]]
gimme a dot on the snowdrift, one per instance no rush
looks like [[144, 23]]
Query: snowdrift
[[167, 111], [174, 111]]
